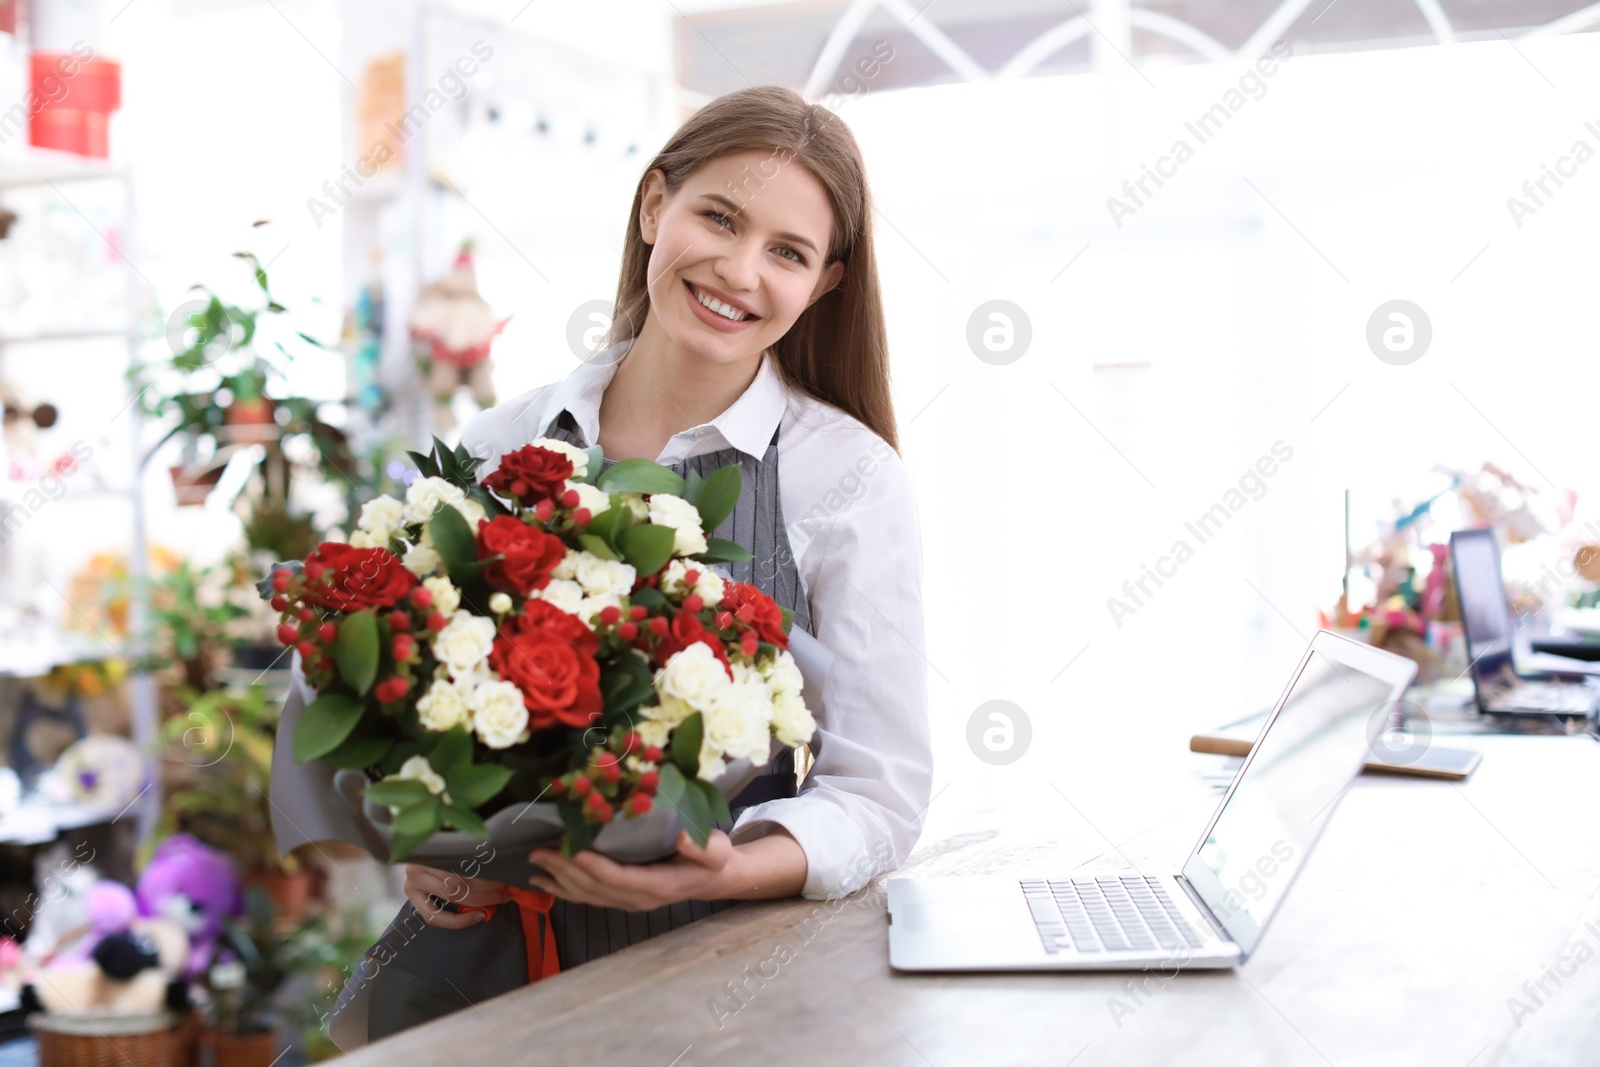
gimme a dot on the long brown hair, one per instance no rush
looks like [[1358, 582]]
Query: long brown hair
[[838, 349]]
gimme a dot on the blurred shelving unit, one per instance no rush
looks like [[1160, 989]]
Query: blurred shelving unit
[[32, 651]]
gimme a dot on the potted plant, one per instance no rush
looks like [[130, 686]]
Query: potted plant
[[219, 766], [191, 615], [252, 959]]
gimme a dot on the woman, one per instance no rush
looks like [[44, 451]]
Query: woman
[[749, 330]]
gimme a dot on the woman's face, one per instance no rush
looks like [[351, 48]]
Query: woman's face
[[745, 233]]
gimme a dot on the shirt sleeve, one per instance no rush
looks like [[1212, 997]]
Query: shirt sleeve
[[861, 808]]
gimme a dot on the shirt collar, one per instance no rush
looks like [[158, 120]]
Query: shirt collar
[[747, 424]]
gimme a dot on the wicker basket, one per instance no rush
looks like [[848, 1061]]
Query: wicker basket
[[160, 1040]]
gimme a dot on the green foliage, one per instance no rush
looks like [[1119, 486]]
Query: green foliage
[[648, 547], [721, 550], [640, 476], [718, 497], [355, 651], [324, 724]]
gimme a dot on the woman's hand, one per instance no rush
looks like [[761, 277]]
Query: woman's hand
[[693, 874], [773, 865], [424, 884]]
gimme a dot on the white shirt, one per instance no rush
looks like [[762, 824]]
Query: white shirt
[[852, 524]]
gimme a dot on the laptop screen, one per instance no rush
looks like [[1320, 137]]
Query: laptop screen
[[1485, 615], [1285, 793]]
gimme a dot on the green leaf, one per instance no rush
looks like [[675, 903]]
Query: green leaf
[[686, 745], [640, 476], [324, 724], [476, 784], [649, 596], [609, 523], [692, 486], [464, 819], [696, 814], [452, 538], [715, 801], [403, 844], [721, 550], [421, 817], [626, 684], [400, 792], [355, 650], [596, 456], [717, 498], [647, 547], [596, 545], [454, 749], [671, 788], [359, 750]]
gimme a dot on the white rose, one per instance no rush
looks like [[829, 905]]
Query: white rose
[[382, 516], [783, 673], [596, 500], [472, 511], [667, 714], [653, 732], [707, 584], [442, 707], [363, 539], [590, 607], [692, 676], [566, 595], [711, 762], [737, 720], [446, 597], [635, 503], [580, 458], [567, 569], [678, 513], [792, 721], [422, 560], [424, 495], [605, 577], [499, 715], [464, 644], [500, 603], [418, 769]]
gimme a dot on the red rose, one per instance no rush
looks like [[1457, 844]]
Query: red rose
[[529, 554], [757, 610], [560, 684], [355, 579], [559, 625], [530, 474], [685, 630]]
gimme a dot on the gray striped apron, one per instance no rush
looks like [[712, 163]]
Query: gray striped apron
[[427, 972]]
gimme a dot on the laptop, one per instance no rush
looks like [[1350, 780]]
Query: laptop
[[1501, 680], [1214, 911]]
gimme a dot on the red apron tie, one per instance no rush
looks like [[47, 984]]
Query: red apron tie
[[541, 947]]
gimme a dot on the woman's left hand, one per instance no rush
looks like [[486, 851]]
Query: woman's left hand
[[590, 878]]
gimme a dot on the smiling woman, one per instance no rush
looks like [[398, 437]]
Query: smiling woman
[[749, 332]]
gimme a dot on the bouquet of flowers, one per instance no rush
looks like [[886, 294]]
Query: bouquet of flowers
[[552, 633]]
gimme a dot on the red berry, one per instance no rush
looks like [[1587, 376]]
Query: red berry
[[399, 620], [580, 786], [658, 625], [280, 580], [724, 620], [327, 632], [558, 785], [628, 631], [306, 650], [569, 499], [610, 614], [437, 621], [630, 742], [581, 516], [653, 580], [639, 803], [519, 488], [749, 642], [649, 781], [693, 603], [288, 633], [652, 753], [637, 612], [690, 577], [403, 646], [306, 614], [543, 510], [313, 570], [422, 596], [280, 603]]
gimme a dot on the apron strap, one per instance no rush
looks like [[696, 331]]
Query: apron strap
[[533, 906]]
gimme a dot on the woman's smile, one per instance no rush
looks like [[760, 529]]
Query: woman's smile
[[698, 299]]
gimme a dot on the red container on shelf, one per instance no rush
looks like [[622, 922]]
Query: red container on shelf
[[76, 97]]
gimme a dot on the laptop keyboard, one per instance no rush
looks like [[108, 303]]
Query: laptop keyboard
[[1108, 913], [1542, 696]]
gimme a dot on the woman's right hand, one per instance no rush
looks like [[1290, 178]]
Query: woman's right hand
[[424, 884]]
